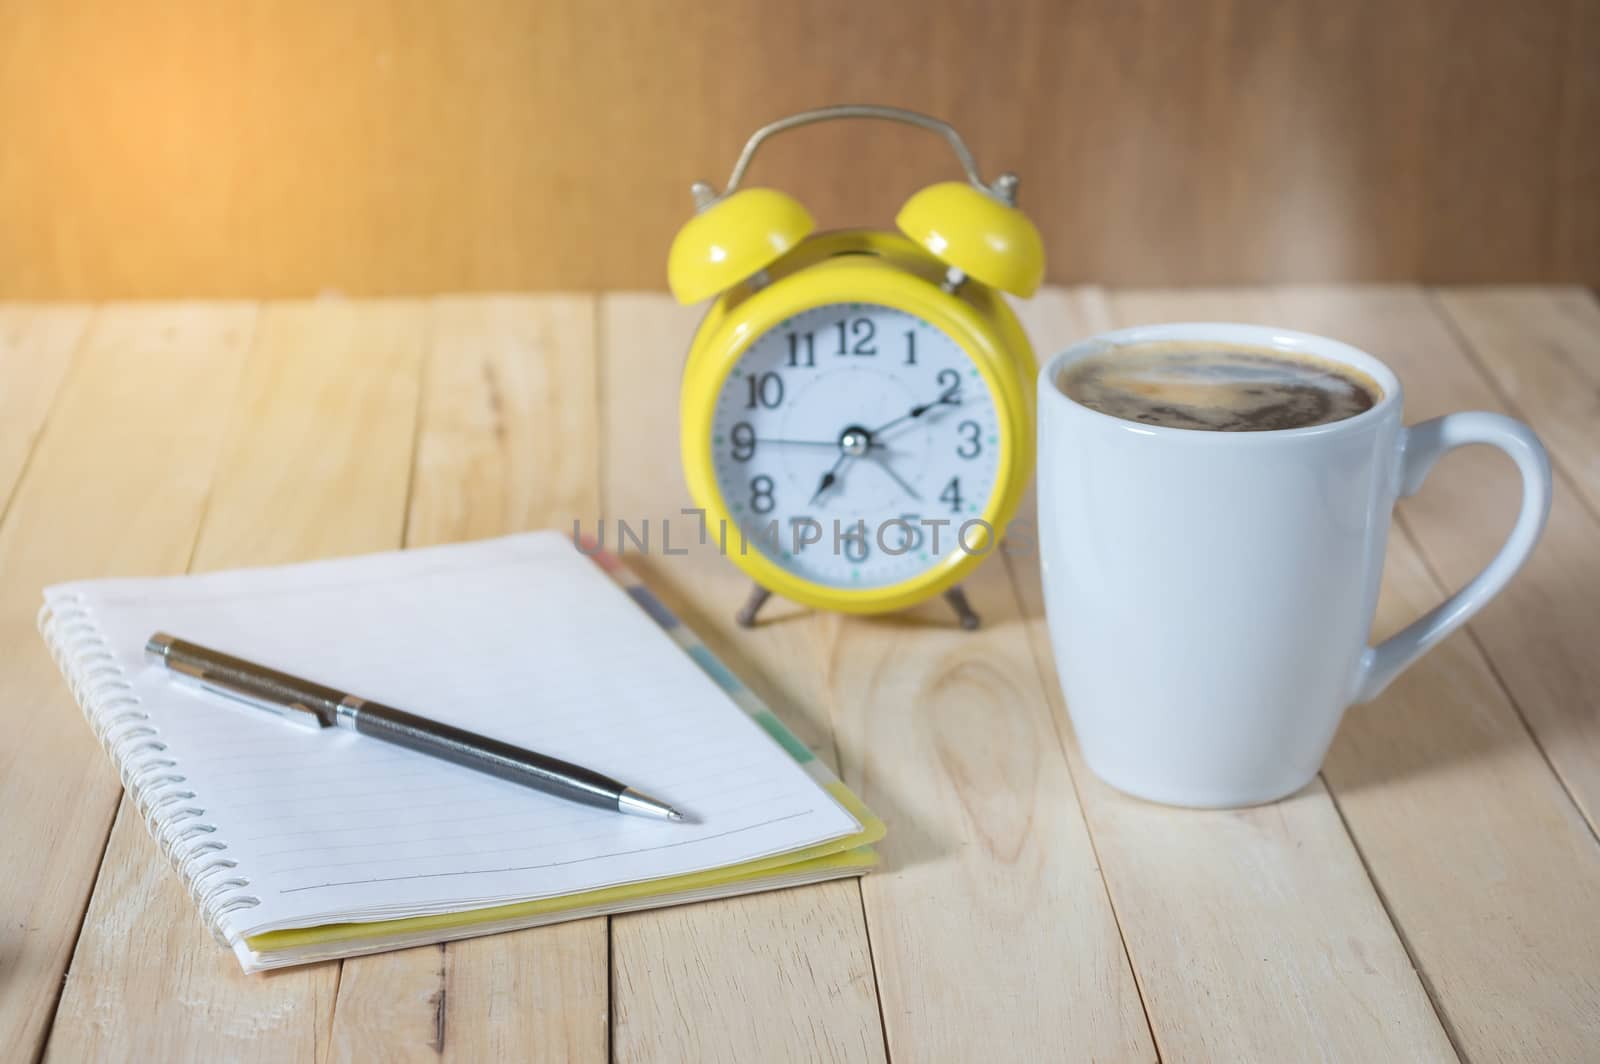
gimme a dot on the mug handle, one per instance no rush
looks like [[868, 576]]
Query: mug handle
[[1421, 446]]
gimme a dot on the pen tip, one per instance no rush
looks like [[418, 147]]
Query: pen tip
[[640, 804]]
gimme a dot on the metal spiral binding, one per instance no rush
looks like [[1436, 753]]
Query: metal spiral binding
[[172, 813]]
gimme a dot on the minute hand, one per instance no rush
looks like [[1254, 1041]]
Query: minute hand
[[917, 411]]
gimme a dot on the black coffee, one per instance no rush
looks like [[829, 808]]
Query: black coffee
[[1218, 387]]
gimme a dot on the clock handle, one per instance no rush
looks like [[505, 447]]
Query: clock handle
[[1004, 187]]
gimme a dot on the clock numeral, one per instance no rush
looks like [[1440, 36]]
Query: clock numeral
[[855, 544], [761, 500], [766, 389], [802, 347], [909, 526], [744, 441], [952, 494], [911, 347], [971, 445], [862, 331], [949, 386]]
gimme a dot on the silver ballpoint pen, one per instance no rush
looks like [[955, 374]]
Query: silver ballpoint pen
[[315, 706]]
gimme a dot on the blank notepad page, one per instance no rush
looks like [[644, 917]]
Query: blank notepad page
[[523, 639]]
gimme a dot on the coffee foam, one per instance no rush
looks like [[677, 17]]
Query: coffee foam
[[1218, 387]]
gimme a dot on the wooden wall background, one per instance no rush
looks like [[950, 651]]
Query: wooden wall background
[[159, 149]]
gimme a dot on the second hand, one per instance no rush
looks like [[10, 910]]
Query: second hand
[[884, 465]]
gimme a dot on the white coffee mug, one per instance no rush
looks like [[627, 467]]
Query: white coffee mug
[[1210, 594]]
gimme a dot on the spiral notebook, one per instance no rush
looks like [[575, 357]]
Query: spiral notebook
[[299, 846]]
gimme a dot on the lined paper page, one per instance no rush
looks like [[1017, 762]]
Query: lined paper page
[[522, 639]]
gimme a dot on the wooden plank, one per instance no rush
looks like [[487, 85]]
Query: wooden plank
[[1255, 933], [1484, 863], [539, 994], [111, 489], [991, 880], [1540, 348], [317, 464], [1575, 215], [507, 440], [708, 982], [1539, 633], [1186, 142], [774, 976], [36, 345]]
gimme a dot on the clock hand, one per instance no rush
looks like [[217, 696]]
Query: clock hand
[[883, 463], [948, 396], [829, 478], [812, 443]]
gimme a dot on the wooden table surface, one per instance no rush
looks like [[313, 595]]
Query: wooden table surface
[[1434, 894]]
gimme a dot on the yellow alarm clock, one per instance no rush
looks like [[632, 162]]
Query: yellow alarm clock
[[857, 406]]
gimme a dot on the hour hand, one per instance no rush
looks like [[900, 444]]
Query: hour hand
[[829, 479]]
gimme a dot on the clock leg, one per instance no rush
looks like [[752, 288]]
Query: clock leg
[[752, 605], [958, 602]]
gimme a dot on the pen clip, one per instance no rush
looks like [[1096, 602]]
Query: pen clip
[[296, 713], [238, 682]]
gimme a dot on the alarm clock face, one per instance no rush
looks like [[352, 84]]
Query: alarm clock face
[[852, 442]]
